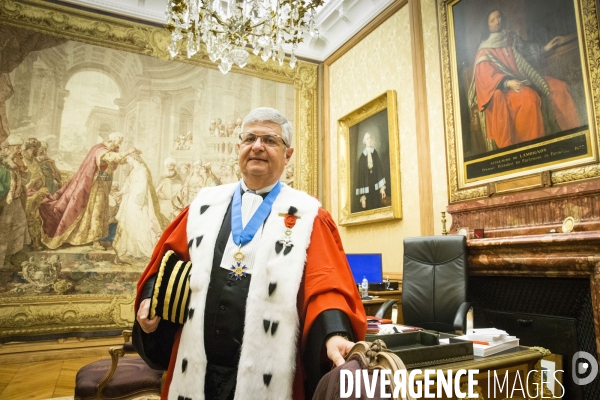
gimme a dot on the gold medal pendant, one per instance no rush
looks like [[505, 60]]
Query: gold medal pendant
[[238, 255], [238, 269]]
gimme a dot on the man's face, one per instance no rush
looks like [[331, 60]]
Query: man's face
[[114, 145], [42, 151], [494, 21], [14, 150], [262, 165], [368, 140]]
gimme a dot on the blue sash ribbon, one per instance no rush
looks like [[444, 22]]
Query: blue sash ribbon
[[242, 236]]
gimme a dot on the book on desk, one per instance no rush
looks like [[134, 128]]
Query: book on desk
[[386, 326], [489, 341]]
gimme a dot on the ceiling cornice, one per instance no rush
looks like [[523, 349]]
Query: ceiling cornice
[[338, 20]]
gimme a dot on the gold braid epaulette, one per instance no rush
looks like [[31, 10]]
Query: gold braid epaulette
[[171, 290]]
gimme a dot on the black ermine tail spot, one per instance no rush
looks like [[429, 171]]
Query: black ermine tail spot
[[267, 379], [272, 287]]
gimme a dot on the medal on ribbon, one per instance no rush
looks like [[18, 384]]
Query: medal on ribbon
[[285, 243], [238, 269], [242, 236]]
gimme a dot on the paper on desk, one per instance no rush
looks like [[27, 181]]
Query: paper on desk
[[487, 334], [389, 329]]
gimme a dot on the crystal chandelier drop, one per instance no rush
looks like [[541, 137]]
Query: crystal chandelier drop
[[227, 27]]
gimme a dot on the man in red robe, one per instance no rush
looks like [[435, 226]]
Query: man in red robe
[[270, 325], [518, 103], [78, 212]]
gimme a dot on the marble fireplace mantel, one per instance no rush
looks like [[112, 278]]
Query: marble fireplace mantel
[[518, 241]]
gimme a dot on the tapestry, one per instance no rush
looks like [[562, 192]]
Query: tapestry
[[100, 149]]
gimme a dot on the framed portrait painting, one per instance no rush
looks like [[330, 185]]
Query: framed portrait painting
[[369, 158], [519, 80]]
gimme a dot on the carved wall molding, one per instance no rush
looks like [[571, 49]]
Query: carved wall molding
[[43, 315]]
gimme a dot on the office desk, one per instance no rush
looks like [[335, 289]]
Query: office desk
[[519, 361]]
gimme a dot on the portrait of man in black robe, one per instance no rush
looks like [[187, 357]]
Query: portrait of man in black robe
[[371, 171]]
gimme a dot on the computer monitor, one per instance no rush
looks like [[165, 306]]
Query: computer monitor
[[366, 265]]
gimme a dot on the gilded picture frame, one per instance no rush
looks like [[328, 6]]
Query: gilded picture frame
[[485, 147], [62, 313], [369, 163]]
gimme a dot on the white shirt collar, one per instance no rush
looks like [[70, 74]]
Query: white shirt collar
[[368, 149], [266, 189]]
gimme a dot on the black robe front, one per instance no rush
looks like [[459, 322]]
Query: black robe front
[[369, 181]]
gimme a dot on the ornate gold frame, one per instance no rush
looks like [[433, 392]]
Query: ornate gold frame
[[21, 316], [586, 14], [347, 217]]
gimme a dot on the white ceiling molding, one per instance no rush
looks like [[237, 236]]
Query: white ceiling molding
[[337, 20]]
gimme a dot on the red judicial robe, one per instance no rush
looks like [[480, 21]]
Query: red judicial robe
[[513, 117], [327, 284]]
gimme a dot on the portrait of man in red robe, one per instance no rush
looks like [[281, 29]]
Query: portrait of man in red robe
[[517, 102], [520, 73]]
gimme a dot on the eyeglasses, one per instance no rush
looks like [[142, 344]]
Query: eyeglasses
[[268, 139]]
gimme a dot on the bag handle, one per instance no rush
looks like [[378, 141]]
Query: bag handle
[[375, 355]]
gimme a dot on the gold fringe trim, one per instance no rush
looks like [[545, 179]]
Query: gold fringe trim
[[186, 293], [180, 283], [167, 302], [159, 276]]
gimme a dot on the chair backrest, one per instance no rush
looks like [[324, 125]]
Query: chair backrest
[[434, 282]]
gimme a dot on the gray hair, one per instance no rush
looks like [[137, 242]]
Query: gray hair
[[262, 114], [170, 160], [365, 137], [115, 137]]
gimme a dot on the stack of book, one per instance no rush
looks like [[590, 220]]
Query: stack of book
[[384, 326], [489, 341], [373, 325]]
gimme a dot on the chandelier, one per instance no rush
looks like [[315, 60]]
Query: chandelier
[[229, 27]]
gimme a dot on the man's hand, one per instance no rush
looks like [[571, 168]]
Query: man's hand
[[514, 85], [382, 191], [148, 325], [337, 348], [553, 43]]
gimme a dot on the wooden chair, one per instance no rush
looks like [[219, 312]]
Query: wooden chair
[[118, 378]]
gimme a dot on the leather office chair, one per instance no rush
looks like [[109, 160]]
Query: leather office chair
[[434, 284], [118, 378], [384, 308]]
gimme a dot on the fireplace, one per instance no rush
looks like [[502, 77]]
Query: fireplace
[[554, 313], [530, 280]]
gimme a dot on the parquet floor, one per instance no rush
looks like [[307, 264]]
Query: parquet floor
[[40, 380]]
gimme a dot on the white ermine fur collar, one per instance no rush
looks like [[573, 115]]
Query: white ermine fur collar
[[268, 359]]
